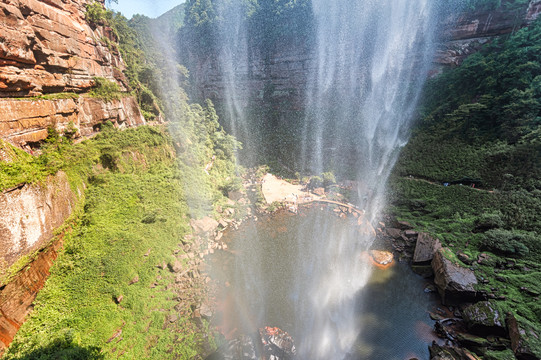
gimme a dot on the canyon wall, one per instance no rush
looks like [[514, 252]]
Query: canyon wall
[[466, 32], [280, 75], [47, 47]]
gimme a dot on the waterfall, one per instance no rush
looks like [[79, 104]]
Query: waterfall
[[369, 62], [371, 59]]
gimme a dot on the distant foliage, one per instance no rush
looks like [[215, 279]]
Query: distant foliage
[[266, 21], [483, 119], [492, 4], [97, 14]]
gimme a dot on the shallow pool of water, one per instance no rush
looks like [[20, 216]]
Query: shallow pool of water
[[305, 274]]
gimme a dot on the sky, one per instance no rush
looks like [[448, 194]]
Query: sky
[[150, 8]]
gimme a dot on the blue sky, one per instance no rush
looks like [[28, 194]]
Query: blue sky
[[150, 8]]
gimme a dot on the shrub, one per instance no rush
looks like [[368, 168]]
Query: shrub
[[506, 242], [105, 89], [315, 182], [328, 179], [96, 14], [488, 221]]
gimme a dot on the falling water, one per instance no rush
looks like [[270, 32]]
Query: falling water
[[370, 61]]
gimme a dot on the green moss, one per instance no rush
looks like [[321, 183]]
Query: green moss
[[499, 355]]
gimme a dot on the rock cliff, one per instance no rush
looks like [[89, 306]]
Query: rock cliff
[[48, 47], [280, 74], [29, 214], [466, 32]]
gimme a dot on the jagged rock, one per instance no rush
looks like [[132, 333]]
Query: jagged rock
[[466, 259], [394, 233], [204, 225], [484, 318], [30, 213], [176, 266], [235, 195], [383, 258], [403, 225], [411, 233], [425, 248], [522, 335], [438, 352], [454, 282], [267, 344]]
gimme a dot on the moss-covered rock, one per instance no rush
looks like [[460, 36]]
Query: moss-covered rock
[[484, 318]]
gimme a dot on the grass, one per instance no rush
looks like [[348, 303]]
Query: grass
[[454, 213], [136, 200]]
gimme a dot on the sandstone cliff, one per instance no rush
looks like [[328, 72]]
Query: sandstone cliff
[[466, 32], [47, 47]]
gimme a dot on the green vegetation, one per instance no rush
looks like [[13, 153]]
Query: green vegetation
[[482, 121], [131, 174], [105, 89], [106, 297], [267, 22]]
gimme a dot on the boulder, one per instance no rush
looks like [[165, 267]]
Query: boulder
[[267, 343], [438, 352], [525, 340], [383, 258], [394, 233], [425, 248], [204, 225], [454, 282], [484, 318], [176, 266]]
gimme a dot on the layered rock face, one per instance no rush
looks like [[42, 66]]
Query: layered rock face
[[466, 32], [25, 122], [17, 297], [47, 47], [29, 214], [280, 75]]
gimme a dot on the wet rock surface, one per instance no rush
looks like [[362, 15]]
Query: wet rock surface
[[425, 248], [484, 318], [267, 344], [455, 283]]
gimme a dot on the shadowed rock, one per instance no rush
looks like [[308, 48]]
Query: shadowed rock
[[454, 282], [425, 248]]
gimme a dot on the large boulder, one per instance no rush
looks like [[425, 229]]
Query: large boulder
[[455, 283], [484, 318], [425, 248]]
